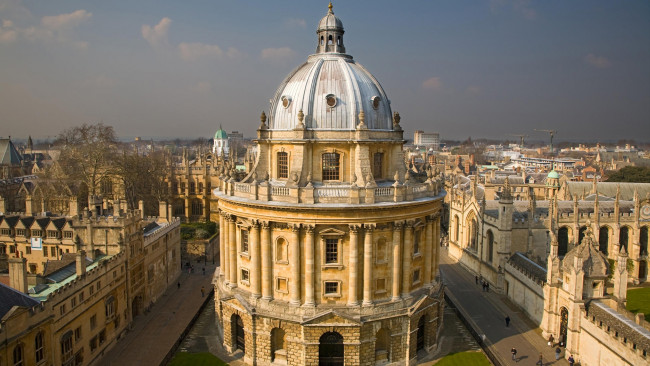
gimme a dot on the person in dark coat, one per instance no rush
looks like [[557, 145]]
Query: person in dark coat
[[507, 320]]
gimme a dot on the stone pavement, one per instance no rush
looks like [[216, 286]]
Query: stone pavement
[[155, 333], [486, 312]]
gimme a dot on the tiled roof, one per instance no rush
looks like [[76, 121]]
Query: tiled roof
[[10, 297]]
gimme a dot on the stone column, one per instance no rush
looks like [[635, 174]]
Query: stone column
[[309, 265], [397, 259], [226, 247], [354, 266], [367, 265], [406, 260], [428, 250], [295, 265], [436, 247], [232, 249], [267, 261], [254, 236], [222, 244], [187, 208]]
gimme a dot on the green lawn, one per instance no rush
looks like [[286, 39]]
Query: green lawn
[[196, 359], [638, 301], [464, 359]]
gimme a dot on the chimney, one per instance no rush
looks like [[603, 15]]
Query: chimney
[[18, 274], [81, 263]]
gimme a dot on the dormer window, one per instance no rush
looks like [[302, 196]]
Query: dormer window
[[331, 100], [375, 102], [286, 101]]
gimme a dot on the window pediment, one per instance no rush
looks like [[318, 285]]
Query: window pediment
[[332, 232]]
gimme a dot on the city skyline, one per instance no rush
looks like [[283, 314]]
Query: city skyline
[[485, 69]]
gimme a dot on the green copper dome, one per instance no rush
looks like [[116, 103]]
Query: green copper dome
[[221, 134]]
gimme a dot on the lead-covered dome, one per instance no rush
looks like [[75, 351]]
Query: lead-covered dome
[[330, 88]]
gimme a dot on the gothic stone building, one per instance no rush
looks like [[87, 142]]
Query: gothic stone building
[[330, 247]]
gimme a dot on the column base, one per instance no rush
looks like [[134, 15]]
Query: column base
[[367, 303], [294, 303], [309, 304], [396, 298], [356, 303]]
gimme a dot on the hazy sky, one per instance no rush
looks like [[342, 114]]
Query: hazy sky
[[172, 68]]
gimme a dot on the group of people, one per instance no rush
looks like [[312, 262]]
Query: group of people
[[558, 351], [485, 284]]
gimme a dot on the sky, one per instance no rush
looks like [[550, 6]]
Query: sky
[[170, 68]]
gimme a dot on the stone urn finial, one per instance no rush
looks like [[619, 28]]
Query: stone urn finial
[[396, 119], [301, 117], [263, 121], [362, 121]]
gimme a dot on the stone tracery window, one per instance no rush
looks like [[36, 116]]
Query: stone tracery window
[[377, 165]]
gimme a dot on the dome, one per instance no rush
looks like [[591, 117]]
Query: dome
[[553, 175], [330, 21], [331, 89], [220, 134]]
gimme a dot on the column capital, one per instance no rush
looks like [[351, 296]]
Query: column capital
[[409, 224], [369, 227], [354, 228], [265, 224], [255, 224], [294, 227], [309, 228], [398, 225]]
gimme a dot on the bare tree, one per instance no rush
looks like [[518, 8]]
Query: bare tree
[[143, 178], [87, 154]]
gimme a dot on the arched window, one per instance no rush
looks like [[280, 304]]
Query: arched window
[[490, 240], [329, 39], [283, 165], [456, 228], [377, 165], [643, 241], [382, 345], [331, 166], [192, 188], [19, 359], [322, 40], [338, 40], [603, 239], [66, 347], [562, 241], [623, 237], [197, 207], [581, 234], [38, 347], [278, 345], [472, 235]]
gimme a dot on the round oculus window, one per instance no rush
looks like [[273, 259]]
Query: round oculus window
[[331, 100], [375, 102], [285, 102]]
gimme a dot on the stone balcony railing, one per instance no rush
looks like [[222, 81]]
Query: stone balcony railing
[[331, 194]]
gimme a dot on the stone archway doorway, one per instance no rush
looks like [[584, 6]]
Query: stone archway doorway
[[330, 349], [564, 325], [238, 338], [420, 335]]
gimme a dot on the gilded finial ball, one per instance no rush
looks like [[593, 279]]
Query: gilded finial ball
[[330, 6]]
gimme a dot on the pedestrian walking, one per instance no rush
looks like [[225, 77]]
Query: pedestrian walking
[[476, 279], [551, 340], [204, 271], [557, 353], [571, 360], [202, 291], [179, 285], [507, 320], [514, 353], [541, 360]]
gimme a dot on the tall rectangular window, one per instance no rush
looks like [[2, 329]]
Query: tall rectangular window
[[331, 166], [244, 241], [283, 165], [331, 251], [416, 242], [377, 165]]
